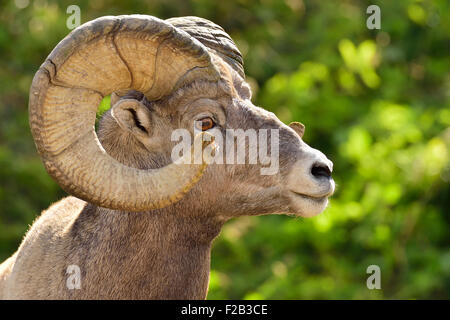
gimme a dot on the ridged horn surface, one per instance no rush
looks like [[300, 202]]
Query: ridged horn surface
[[214, 37], [105, 55]]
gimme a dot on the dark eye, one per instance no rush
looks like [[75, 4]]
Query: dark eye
[[204, 124]]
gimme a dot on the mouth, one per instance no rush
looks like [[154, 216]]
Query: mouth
[[318, 199], [309, 205]]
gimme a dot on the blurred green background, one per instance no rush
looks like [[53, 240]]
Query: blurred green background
[[375, 101]]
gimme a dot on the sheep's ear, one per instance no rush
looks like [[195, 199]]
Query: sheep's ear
[[126, 94], [298, 127], [132, 116], [114, 98]]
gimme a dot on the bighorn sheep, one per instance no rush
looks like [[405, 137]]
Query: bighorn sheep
[[139, 226]]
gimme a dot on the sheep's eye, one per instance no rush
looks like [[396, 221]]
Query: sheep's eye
[[204, 124]]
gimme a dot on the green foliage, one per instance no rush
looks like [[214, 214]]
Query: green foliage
[[375, 101]]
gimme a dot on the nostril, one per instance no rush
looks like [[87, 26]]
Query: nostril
[[320, 170]]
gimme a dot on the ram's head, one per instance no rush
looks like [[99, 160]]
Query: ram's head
[[163, 77]]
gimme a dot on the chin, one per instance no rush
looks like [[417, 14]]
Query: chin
[[307, 207]]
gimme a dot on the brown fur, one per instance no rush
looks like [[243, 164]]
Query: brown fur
[[160, 254]]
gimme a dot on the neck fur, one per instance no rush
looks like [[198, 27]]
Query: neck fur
[[147, 255]]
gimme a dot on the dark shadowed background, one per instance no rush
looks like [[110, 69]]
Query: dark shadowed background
[[375, 101]]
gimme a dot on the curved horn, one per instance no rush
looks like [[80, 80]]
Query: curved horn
[[214, 37], [110, 54]]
